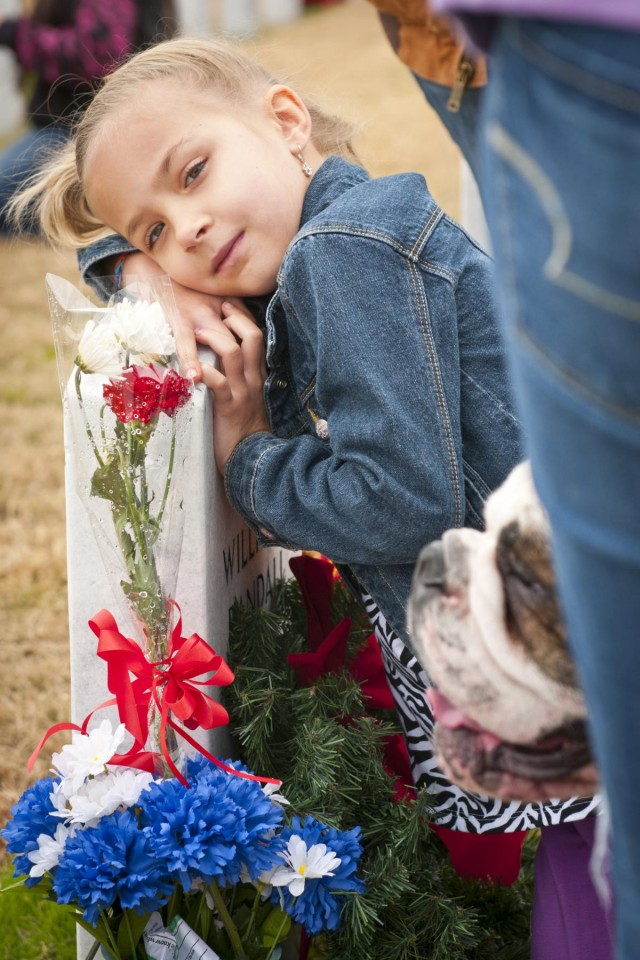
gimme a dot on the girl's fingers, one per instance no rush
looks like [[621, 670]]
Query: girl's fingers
[[188, 354], [252, 340], [228, 349], [217, 383], [238, 306], [194, 310]]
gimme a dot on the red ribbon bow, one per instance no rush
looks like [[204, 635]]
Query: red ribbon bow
[[170, 684]]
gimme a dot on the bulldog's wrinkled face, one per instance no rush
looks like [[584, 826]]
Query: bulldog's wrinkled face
[[487, 628]]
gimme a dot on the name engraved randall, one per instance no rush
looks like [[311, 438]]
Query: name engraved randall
[[259, 592]]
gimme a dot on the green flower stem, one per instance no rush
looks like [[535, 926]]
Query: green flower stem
[[171, 906], [276, 939], [254, 911], [130, 932], [109, 932], [86, 422], [156, 624], [131, 503], [103, 432], [203, 919], [172, 454], [229, 925]]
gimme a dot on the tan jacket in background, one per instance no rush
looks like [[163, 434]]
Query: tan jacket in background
[[425, 43]]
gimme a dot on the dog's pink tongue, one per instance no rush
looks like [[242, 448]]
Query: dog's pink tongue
[[453, 718]]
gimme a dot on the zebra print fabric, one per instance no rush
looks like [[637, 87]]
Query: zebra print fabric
[[453, 807]]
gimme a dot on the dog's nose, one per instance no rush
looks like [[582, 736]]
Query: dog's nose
[[430, 570]]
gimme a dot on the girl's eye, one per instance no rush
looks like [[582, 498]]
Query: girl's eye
[[154, 235], [194, 172]]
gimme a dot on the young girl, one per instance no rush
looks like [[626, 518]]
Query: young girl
[[380, 413]]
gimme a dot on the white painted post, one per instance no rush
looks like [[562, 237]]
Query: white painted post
[[239, 18], [275, 13], [219, 563], [471, 210], [194, 17], [244, 18], [11, 101]]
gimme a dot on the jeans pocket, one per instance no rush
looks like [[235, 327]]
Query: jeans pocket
[[561, 193]]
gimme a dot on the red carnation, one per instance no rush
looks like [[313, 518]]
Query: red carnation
[[142, 393]]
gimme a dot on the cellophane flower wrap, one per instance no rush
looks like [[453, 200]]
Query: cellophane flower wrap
[[128, 408], [128, 411], [162, 870]]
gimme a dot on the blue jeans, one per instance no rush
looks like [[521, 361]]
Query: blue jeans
[[20, 160], [463, 126], [562, 193]]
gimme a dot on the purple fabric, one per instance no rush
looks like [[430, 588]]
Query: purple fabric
[[620, 14], [101, 34], [568, 922]]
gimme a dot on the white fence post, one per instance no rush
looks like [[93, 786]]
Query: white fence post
[[238, 18], [194, 17], [11, 101], [275, 13], [471, 210], [244, 18]]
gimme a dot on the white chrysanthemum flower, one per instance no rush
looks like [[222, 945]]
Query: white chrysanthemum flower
[[120, 788], [143, 330], [304, 864], [49, 851], [99, 350], [87, 755]]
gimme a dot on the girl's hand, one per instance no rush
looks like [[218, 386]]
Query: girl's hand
[[237, 386], [194, 309]]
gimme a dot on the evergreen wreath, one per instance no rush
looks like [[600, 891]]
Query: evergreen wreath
[[300, 711]]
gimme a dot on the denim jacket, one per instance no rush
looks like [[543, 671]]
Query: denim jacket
[[387, 391]]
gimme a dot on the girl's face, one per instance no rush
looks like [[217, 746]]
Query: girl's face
[[212, 192]]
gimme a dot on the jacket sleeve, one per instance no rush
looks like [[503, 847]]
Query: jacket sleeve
[[94, 263], [103, 32], [388, 480]]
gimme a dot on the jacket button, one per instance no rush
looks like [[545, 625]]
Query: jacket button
[[282, 383]]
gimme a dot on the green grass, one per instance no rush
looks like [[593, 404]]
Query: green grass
[[30, 928]]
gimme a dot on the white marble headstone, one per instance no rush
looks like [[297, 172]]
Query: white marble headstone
[[220, 563]]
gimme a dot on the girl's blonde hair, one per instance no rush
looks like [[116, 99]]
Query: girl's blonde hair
[[55, 196]]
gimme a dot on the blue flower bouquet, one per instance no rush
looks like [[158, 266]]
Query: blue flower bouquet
[[154, 868]]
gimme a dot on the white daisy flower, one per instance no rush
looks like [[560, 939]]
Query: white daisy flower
[[120, 788], [87, 755], [49, 851], [143, 330], [304, 864], [99, 350], [271, 790]]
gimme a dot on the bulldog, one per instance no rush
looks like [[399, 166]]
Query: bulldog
[[486, 625]]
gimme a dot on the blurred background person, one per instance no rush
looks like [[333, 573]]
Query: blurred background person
[[561, 186], [451, 76], [62, 49]]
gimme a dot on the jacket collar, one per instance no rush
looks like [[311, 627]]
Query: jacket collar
[[334, 177]]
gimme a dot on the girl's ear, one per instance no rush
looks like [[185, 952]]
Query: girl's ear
[[290, 114]]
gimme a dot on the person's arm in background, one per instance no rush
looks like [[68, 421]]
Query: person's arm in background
[[102, 33], [450, 75]]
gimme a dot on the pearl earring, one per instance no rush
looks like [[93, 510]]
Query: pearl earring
[[306, 169]]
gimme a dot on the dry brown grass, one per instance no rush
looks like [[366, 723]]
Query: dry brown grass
[[338, 54]]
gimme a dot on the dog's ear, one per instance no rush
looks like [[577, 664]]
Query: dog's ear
[[533, 615]]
